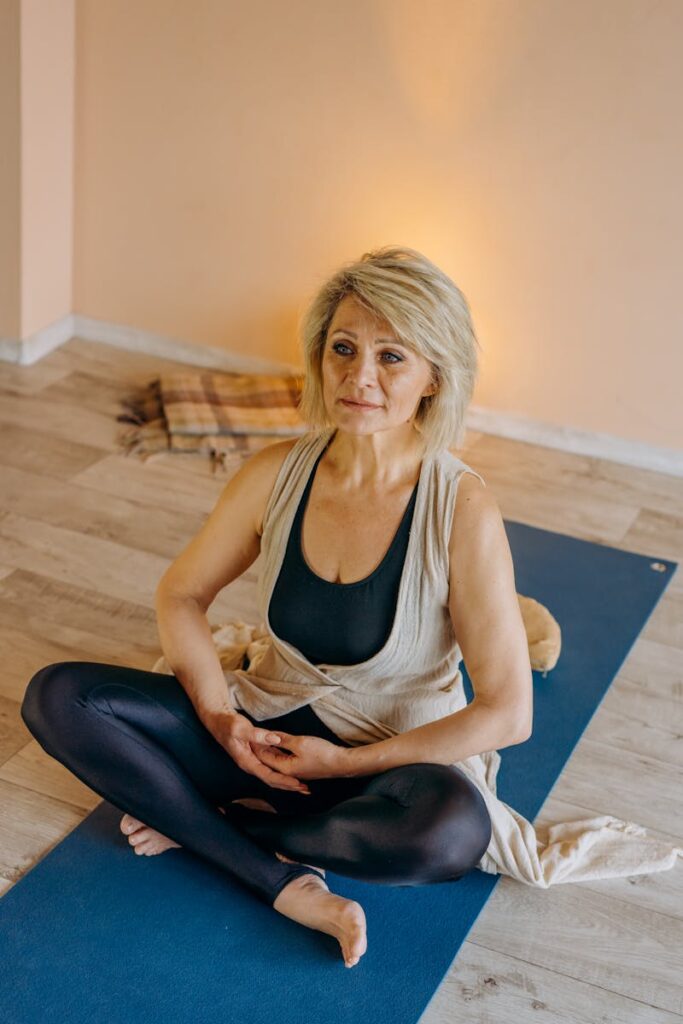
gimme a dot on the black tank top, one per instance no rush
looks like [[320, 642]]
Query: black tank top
[[336, 623]]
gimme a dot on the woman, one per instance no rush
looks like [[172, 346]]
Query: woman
[[391, 362]]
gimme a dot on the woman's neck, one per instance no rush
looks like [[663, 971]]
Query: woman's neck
[[374, 463]]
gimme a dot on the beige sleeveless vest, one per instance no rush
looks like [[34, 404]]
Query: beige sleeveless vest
[[414, 679]]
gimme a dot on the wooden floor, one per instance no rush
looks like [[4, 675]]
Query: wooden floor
[[85, 534]]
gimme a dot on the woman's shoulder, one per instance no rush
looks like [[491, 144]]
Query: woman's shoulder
[[473, 508], [462, 494], [454, 467], [269, 462], [264, 467]]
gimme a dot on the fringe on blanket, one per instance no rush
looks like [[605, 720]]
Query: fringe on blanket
[[148, 434], [144, 409]]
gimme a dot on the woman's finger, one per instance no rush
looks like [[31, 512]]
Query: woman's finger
[[273, 778], [264, 736], [278, 756], [282, 736]]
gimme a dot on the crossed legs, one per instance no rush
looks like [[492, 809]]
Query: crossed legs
[[133, 736]]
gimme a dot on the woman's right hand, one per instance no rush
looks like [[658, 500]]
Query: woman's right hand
[[236, 734]]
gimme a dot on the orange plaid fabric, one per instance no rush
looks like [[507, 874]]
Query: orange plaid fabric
[[225, 415]]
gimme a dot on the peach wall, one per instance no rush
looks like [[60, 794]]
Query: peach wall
[[229, 155], [47, 155], [37, 68], [10, 188]]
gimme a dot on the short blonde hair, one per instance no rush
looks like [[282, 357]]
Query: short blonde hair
[[427, 312]]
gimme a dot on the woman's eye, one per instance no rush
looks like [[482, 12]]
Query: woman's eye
[[395, 358]]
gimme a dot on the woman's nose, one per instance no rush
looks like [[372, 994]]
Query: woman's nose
[[363, 372]]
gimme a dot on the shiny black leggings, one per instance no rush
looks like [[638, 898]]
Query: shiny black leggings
[[134, 738]]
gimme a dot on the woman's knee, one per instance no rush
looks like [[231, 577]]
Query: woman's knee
[[49, 696], [450, 820]]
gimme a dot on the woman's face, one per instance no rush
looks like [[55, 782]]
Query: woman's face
[[363, 361]]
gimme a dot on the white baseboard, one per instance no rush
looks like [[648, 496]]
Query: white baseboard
[[33, 348], [487, 421], [26, 351], [165, 347], [579, 442]]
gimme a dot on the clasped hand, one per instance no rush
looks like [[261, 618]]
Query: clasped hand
[[304, 757], [281, 765]]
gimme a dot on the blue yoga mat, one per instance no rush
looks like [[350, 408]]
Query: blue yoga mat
[[94, 933]]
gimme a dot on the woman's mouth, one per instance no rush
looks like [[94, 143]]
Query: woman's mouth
[[361, 407]]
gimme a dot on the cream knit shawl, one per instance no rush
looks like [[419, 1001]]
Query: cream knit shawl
[[415, 678]]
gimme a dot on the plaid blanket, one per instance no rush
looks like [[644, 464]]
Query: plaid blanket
[[225, 415]]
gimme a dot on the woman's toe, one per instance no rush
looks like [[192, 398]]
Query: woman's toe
[[140, 836], [130, 824]]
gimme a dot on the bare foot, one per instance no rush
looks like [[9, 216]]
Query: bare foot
[[143, 838], [147, 840], [308, 901]]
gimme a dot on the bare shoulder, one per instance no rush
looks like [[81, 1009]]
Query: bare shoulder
[[260, 472], [230, 538], [485, 609], [476, 515], [469, 484]]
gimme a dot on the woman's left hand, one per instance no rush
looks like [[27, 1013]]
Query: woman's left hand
[[305, 757]]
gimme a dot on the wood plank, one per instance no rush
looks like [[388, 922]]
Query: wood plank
[[32, 651], [39, 451], [13, 733], [30, 380], [158, 528], [34, 769], [30, 825], [584, 934], [655, 666], [548, 507], [60, 419], [105, 566], [624, 783], [154, 483], [642, 722], [490, 987]]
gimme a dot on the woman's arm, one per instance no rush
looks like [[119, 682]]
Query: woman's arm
[[472, 730], [488, 625], [188, 647], [227, 544]]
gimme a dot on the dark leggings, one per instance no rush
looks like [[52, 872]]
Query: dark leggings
[[134, 737]]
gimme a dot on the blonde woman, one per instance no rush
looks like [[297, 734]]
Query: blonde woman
[[376, 570]]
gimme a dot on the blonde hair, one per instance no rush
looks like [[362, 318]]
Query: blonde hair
[[427, 312]]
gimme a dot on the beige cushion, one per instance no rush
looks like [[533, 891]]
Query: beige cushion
[[543, 634]]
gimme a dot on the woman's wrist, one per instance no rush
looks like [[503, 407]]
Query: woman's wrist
[[356, 760], [210, 713]]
